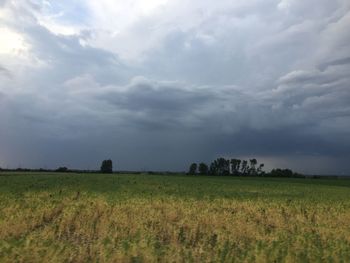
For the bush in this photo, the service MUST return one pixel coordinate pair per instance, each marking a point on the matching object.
(284, 173)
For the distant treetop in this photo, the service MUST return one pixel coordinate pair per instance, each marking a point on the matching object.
(107, 166)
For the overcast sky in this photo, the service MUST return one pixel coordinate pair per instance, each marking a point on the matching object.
(157, 84)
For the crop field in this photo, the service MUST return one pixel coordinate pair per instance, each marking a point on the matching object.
(152, 218)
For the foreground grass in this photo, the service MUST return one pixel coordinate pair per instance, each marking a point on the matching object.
(148, 218)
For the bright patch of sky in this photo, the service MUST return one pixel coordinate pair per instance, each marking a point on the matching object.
(11, 42)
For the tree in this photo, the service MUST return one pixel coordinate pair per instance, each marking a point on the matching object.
(203, 168)
(244, 167)
(193, 169)
(235, 165)
(62, 169)
(224, 166)
(107, 166)
(253, 163)
(220, 166)
(259, 170)
(238, 165)
(213, 170)
(281, 173)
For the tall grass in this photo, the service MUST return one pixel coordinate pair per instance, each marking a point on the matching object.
(125, 218)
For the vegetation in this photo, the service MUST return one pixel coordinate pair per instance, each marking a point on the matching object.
(283, 173)
(237, 167)
(63, 217)
(203, 169)
(107, 166)
(193, 169)
(62, 169)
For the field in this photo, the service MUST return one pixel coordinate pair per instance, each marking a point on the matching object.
(153, 218)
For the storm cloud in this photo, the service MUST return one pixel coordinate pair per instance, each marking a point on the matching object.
(159, 84)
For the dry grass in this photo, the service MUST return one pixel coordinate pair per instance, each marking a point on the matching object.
(51, 226)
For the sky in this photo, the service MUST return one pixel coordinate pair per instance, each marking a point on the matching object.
(158, 84)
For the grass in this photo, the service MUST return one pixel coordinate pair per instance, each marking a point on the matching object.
(153, 218)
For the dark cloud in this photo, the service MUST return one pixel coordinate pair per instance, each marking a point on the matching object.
(337, 62)
(253, 79)
(67, 54)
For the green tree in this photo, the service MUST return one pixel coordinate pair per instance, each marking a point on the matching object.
(193, 169)
(244, 167)
(282, 173)
(220, 166)
(107, 166)
(259, 170)
(224, 166)
(62, 169)
(235, 166)
(203, 168)
(253, 163)
(238, 165)
(213, 169)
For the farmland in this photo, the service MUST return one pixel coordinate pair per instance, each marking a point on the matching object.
(161, 218)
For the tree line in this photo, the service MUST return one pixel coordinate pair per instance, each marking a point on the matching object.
(237, 167)
(106, 167)
(220, 167)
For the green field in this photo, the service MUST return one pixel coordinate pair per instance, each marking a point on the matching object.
(152, 218)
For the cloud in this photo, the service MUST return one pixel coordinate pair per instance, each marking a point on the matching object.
(4, 71)
(337, 62)
(170, 82)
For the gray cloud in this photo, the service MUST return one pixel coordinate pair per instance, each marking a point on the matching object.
(337, 62)
(258, 79)
(5, 72)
